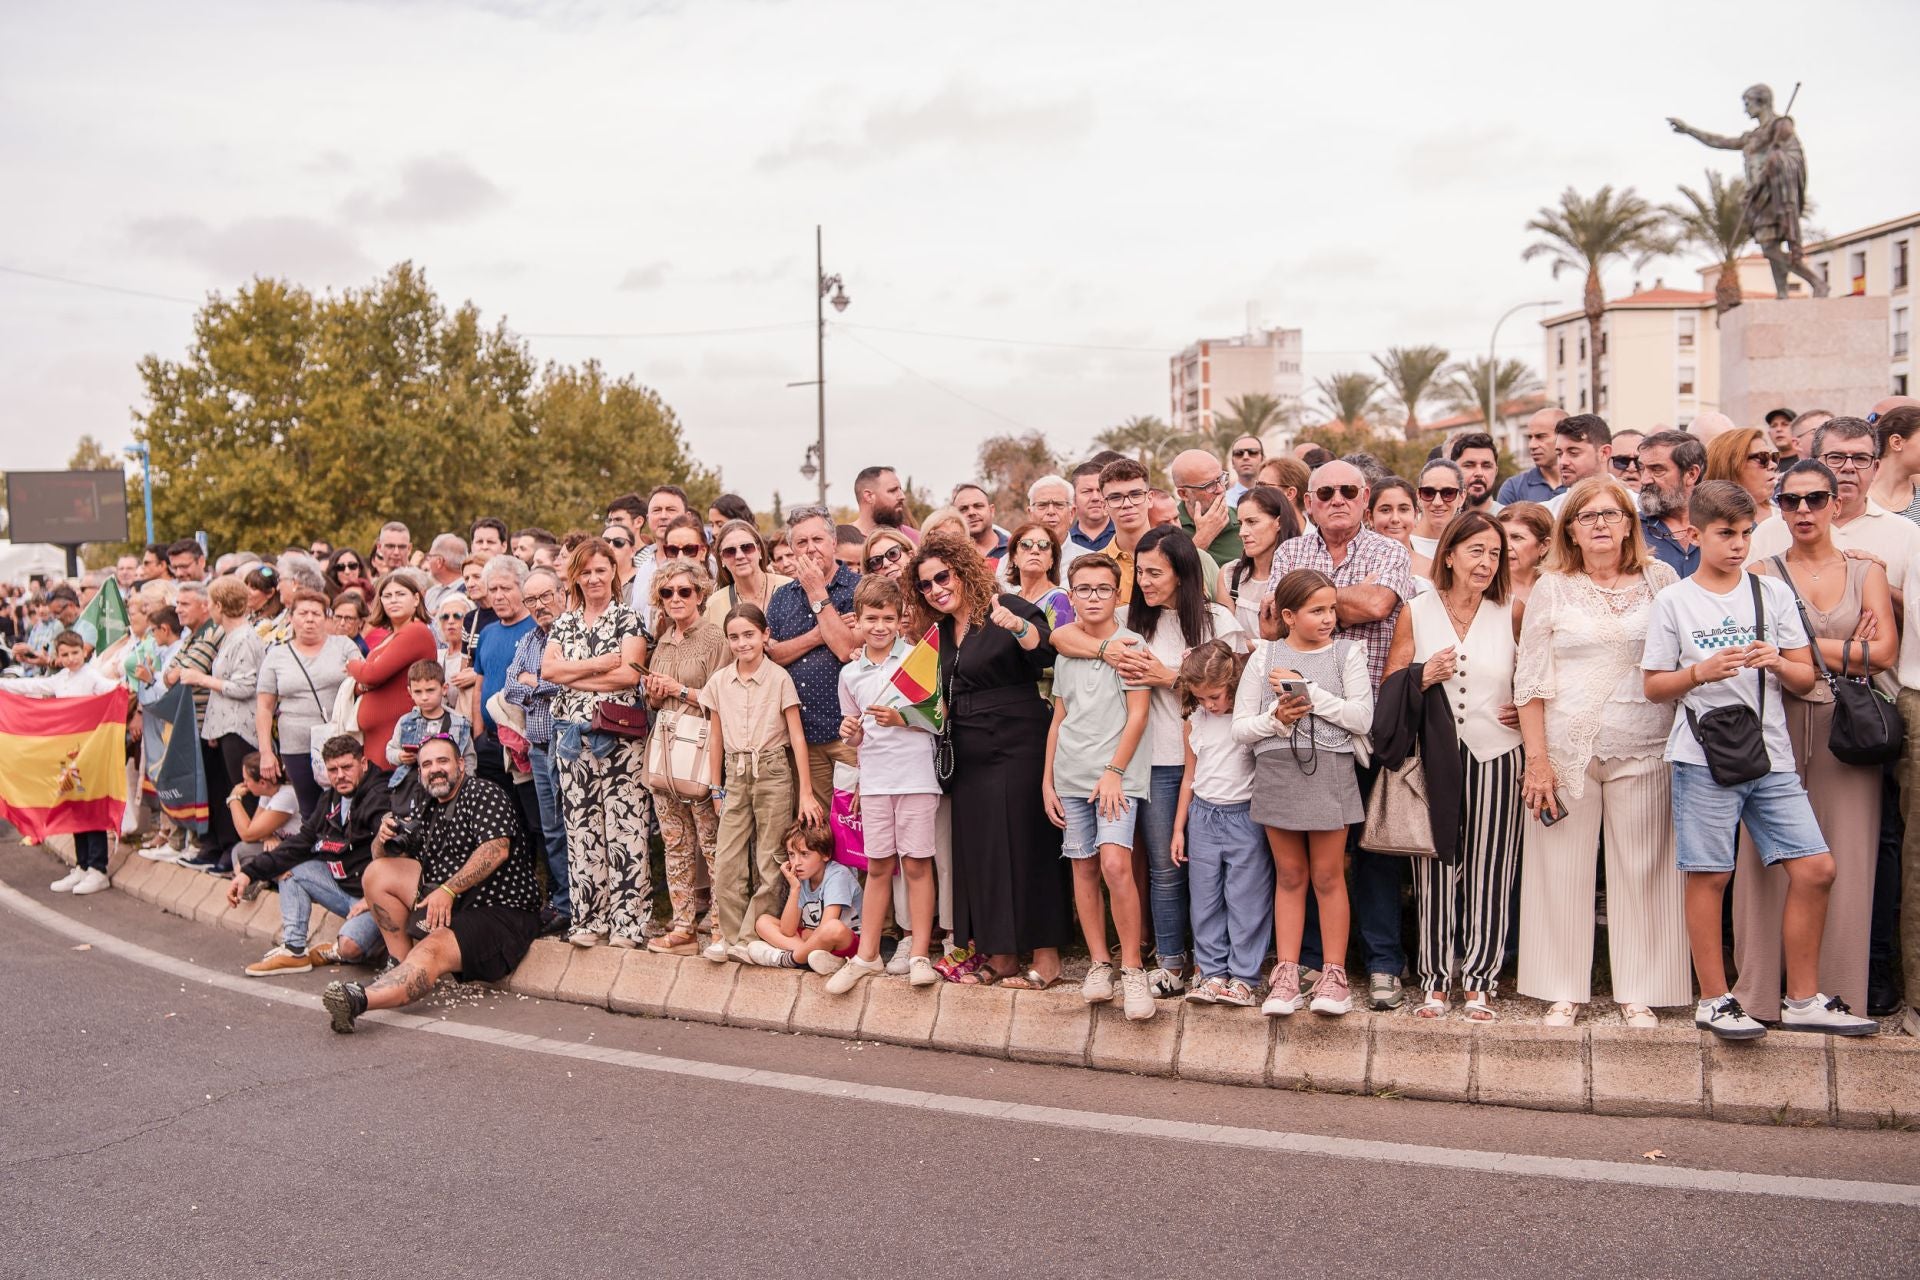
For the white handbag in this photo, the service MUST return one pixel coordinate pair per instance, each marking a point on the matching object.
(676, 761)
(344, 718)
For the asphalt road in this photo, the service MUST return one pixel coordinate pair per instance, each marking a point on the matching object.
(157, 1125)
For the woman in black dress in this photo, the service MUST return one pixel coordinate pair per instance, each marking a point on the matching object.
(1009, 884)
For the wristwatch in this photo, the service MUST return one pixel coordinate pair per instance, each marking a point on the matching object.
(820, 605)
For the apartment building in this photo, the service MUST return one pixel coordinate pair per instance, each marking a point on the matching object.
(1205, 376)
(1877, 261)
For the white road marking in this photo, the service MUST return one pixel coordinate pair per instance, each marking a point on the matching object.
(1402, 1153)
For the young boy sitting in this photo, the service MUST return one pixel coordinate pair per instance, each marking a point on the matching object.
(430, 717)
(820, 925)
(1095, 779)
(1707, 649)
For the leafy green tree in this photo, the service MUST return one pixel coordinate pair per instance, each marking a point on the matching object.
(1585, 233)
(1009, 464)
(1351, 398)
(1253, 414)
(292, 416)
(1409, 373)
(1716, 221)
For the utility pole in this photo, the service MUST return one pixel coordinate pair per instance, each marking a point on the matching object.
(828, 289)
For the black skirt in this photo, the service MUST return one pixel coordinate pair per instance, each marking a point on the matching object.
(1010, 886)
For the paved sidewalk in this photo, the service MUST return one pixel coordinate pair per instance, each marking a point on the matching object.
(1786, 1078)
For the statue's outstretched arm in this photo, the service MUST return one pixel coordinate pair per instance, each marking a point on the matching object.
(1711, 139)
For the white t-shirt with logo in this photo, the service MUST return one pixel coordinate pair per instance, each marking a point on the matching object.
(1690, 624)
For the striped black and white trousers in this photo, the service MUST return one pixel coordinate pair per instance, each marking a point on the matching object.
(1465, 905)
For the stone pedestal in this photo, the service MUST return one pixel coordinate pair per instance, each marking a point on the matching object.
(1800, 354)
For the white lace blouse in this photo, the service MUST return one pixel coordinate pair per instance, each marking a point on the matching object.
(1580, 648)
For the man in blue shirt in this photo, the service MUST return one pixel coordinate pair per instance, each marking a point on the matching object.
(492, 654)
(809, 620)
(1543, 481)
(1671, 463)
(1092, 529)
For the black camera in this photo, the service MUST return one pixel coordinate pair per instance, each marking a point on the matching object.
(404, 839)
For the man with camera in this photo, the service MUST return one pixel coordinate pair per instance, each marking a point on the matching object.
(452, 889)
(322, 864)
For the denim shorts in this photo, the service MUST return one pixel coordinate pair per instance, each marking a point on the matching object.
(1087, 830)
(1707, 817)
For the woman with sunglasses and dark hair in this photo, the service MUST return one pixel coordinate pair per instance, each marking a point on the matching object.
(1033, 569)
(1746, 457)
(744, 577)
(347, 571)
(1009, 883)
(1441, 492)
(1847, 608)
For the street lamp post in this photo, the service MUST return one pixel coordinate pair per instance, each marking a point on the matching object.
(145, 455)
(1493, 355)
(828, 284)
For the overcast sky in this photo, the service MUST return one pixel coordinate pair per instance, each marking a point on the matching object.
(1125, 177)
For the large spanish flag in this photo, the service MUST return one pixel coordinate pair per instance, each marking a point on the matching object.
(63, 762)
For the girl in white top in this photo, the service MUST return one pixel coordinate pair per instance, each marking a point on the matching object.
(1229, 872)
(1305, 792)
(1463, 632)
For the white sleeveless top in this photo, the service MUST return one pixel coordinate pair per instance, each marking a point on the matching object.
(1482, 680)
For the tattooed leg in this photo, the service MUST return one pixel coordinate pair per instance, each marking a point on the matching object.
(389, 885)
(413, 978)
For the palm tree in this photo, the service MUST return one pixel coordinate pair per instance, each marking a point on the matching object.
(1248, 415)
(1716, 222)
(1409, 373)
(1147, 438)
(1349, 397)
(1465, 387)
(1583, 233)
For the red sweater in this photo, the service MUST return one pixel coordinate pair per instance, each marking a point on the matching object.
(383, 680)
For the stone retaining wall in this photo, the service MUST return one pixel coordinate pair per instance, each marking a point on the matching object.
(1786, 1078)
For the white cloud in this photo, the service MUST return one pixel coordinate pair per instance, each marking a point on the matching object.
(299, 248)
(433, 189)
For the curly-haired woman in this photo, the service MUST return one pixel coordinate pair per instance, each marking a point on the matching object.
(1009, 890)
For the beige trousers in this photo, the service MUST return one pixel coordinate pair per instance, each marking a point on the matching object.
(1630, 800)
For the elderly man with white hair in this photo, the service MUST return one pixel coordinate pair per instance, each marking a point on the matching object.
(1050, 504)
(443, 560)
(493, 653)
(1201, 484)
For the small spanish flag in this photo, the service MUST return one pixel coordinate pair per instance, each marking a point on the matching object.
(63, 763)
(917, 682)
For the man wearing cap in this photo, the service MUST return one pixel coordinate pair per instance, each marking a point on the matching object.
(1780, 431)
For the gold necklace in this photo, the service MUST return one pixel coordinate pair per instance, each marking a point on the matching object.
(1813, 573)
(1460, 628)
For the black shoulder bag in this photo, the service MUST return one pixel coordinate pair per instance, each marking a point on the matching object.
(1866, 728)
(943, 760)
(1732, 738)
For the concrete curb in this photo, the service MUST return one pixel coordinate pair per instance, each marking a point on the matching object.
(1672, 1071)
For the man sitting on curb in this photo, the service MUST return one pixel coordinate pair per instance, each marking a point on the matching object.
(455, 893)
(322, 864)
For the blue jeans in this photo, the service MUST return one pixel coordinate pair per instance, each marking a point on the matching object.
(1167, 881)
(1231, 875)
(553, 829)
(1707, 819)
(310, 884)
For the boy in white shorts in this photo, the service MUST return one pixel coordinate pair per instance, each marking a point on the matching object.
(899, 795)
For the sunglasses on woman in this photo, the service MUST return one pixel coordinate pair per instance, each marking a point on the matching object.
(881, 559)
(684, 550)
(1348, 491)
(1806, 501)
(1764, 458)
(349, 566)
(619, 544)
(1430, 492)
(453, 617)
(739, 549)
(939, 578)
(678, 593)
(1034, 544)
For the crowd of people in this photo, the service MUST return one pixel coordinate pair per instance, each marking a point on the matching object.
(1229, 735)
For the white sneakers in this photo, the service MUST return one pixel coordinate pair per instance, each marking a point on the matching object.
(921, 973)
(1136, 995)
(850, 973)
(902, 963)
(715, 951)
(81, 881)
(768, 956)
(1820, 1012)
(1097, 986)
(824, 962)
(1725, 1018)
